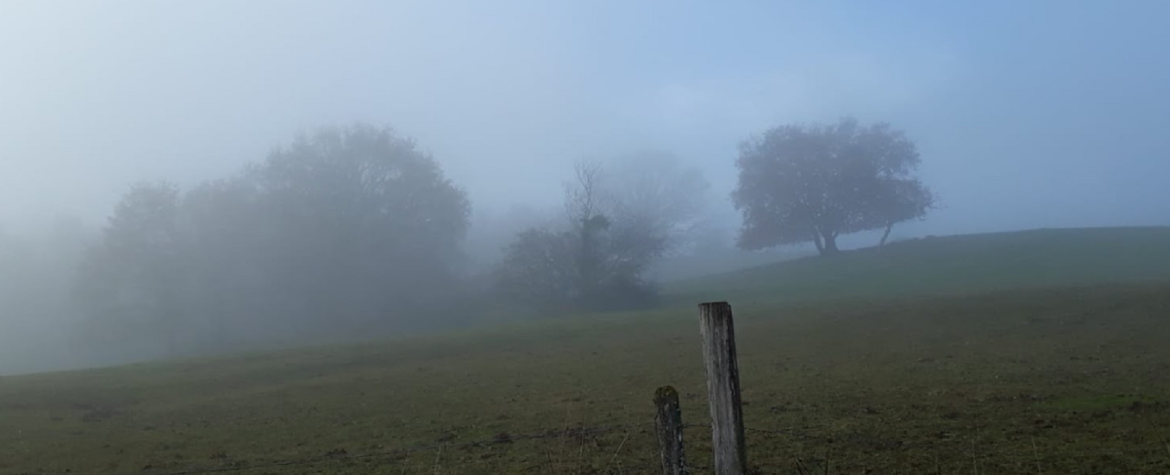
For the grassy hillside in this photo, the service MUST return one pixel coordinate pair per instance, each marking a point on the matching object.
(950, 265)
(941, 375)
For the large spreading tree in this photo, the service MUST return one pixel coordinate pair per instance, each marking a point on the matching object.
(345, 230)
(361, 225)
(800, 183)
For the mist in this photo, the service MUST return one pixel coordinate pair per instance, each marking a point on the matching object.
(1039, 115)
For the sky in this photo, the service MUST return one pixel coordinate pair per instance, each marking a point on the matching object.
(1027, 114)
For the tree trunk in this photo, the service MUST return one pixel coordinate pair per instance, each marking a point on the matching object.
(830, 246)
(820, 244)
(886, 235)
(586, 261)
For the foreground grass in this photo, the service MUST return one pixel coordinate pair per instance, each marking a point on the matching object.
(1073, 380)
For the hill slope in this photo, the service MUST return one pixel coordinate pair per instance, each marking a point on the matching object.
(1031, 380)
(949, 265)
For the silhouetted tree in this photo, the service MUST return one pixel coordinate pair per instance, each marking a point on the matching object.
(800, 183)
(596, 262)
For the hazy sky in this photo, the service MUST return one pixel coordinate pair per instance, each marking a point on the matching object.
(1027, 114)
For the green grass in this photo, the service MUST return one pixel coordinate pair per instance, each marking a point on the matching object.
(972, 360)
(949, 265)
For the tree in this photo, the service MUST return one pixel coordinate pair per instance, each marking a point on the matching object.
(800, 183)
(902, 200)
(540, 269)
(596, 260)
(344, 231)
(661, 192)
(364, 227)
(131, 280)
(585, 206)
(226, 238)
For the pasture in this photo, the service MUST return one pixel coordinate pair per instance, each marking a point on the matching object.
(1031, 353)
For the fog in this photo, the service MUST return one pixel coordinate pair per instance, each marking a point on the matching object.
(1026, 115)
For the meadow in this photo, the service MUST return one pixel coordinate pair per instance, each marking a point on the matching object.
(1032, 352)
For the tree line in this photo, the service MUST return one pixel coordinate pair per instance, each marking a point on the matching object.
(352, 231)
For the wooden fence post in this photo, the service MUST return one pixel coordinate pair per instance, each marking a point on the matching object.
(718, 331)
(669, 426)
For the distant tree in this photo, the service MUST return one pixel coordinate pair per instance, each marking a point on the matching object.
(131, 280)
(617, 241)
(585, 206)
(901, 200)
(596, 261)
(661, 192)
(539, 269)
(363, 227)
(345, 231)
(801, 183)
(227, 288)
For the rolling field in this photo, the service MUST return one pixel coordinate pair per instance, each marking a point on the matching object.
(1035, 353)
(950, 265)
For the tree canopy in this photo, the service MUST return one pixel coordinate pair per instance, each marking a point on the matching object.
(344, 230)
(801, 183)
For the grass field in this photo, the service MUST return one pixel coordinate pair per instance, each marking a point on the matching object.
(1040, 352)
(949, 265)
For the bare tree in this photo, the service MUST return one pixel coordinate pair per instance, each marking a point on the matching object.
(659, 189)
(596, 262)
(585, 196)
(585, 205)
